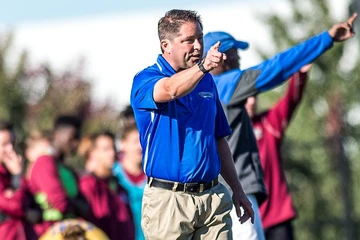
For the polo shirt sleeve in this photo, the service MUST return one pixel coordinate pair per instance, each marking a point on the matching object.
(143, 88)
(222, 128)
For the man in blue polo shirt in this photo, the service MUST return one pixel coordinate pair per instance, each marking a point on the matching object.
(182, 128)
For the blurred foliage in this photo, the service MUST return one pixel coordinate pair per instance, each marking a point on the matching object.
(32, 98)
(321, 148)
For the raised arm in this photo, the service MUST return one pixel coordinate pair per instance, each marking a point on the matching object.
(280, 115)
(183, 82)
(278, 69)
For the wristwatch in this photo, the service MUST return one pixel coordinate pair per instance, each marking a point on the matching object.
(201, 66)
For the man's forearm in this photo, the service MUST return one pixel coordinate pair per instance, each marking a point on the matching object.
(228, 171)
(178, 85)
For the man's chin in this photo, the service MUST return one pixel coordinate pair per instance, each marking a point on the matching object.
(192, 63)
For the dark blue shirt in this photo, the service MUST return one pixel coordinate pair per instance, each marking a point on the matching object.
(178, 138)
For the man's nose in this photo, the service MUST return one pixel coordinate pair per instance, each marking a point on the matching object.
(197, 45)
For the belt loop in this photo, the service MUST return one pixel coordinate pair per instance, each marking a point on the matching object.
(150, 181)
(184, 190)
(174, 188)
(201, 187)
(213, 182)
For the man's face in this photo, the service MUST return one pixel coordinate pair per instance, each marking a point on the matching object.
(186, 49)
(6, 143)
(251, 106)
(131, 147)
(104, 152)
(68, 137)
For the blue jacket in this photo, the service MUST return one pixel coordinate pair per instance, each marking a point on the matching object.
(236, 85)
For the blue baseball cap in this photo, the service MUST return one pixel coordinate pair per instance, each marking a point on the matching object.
(227, 41)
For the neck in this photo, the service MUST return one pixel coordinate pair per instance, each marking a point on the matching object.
(131, 167)
(170, 62)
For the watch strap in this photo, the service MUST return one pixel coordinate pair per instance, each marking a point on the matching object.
(201, 67)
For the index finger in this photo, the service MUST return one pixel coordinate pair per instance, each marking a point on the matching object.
(215, 46)
(352, 18)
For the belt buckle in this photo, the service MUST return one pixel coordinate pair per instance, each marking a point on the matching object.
(191, 187)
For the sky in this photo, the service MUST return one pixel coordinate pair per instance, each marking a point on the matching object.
(17, 11)
(117, 39)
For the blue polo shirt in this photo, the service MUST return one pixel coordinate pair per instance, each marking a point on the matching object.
(178, 138)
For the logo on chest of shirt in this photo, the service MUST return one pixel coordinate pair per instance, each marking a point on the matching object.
(206, 94)
(258, 132)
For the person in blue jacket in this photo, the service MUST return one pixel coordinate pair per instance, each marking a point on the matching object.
(235, 86)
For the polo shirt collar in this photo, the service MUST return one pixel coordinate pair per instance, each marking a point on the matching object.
(164, 66)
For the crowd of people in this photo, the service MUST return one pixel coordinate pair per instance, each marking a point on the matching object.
(195, 159)
(44, 190)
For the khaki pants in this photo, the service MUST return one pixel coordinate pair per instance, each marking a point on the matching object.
(178, 215)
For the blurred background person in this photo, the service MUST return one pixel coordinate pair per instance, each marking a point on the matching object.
(128, 171)
(236, 85)
(109, 202)
(37, 144)
(55, 185)
(85, 152)
(127, 116)
(14, 200)
(278, 211)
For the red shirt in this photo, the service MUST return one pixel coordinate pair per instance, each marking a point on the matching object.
(14, 227)
(44, 177)
(110, 209)
(269, 129)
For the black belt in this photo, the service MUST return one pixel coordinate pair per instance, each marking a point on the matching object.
(182, 187)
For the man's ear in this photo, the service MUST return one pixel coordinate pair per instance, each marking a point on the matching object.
(165, 45)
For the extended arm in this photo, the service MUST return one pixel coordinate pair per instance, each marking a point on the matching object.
(178, 85)
(276, 70)
(183, 82)
(280, 115)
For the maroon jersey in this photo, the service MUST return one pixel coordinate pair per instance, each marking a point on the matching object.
(269, 129)
(44, 179)
(12, 209)
(110, 208)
